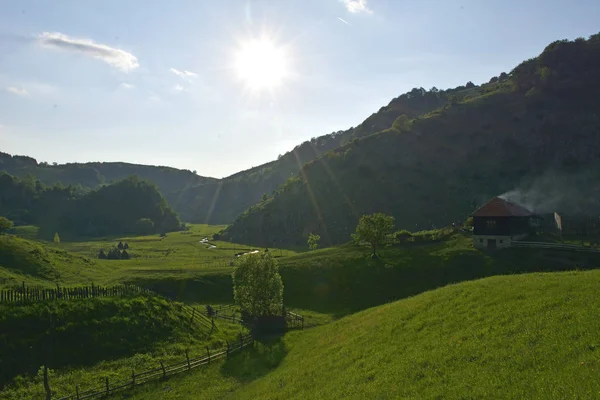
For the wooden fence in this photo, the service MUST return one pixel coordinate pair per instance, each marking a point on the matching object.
(230, 312)
(293, 320)
(26, 295)
(542, 245)
(161, 372)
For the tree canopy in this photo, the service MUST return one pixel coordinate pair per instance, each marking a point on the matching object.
(111, 209)
(313, 241)
(374, 229)
(257, 285)
(5, 224)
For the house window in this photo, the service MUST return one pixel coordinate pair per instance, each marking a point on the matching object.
(501, 241)
(480, 240)
(490, 224)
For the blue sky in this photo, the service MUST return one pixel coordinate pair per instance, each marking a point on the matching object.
(159, 83)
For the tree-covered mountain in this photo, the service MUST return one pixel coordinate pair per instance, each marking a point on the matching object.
(219, 201)
(127, 206)
(433, 169)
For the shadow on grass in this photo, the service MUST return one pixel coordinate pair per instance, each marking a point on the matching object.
(251, 364)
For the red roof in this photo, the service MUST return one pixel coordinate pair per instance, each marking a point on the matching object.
(498, 207)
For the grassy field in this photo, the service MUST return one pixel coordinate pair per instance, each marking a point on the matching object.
(512, 337)
(97, 338)
(327, 285)
(178, 256)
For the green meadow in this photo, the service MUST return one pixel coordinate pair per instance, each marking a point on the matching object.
(418, 322)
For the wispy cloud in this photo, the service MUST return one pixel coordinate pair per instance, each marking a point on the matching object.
(126, 86)
(357, 6)
(114, 57)
(178, 88)
(154, 98)
(184, 73)
(343, 20)
(19, 91)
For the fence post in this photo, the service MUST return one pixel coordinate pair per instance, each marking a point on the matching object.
(46, 384)
(77, 392)
(132, 378)
(193, 313)
(187, 357)
(241, 341)
(208, 354)
(227, 353)
(106, 381)
(163, 368)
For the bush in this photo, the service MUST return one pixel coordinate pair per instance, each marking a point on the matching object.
(5, 224)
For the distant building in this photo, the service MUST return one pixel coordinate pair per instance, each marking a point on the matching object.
(498, 222)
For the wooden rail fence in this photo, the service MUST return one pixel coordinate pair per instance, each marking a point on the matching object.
(26, 295)
(230, 312)
(159, 373)
(542, 245)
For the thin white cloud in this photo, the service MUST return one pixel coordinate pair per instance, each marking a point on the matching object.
(344, 21)
(126, 86)
(114, 57)
(19, 91)
(357, 6)
(178, 88)
(154, 98)
(184, 73)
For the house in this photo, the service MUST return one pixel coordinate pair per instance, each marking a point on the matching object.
(498, 222)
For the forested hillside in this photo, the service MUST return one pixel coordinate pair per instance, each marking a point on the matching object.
(220, 201)
(127, 206)
(435, 168)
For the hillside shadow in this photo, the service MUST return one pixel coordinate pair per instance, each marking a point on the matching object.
(250, 364)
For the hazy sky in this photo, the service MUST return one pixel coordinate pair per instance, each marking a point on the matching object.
(221, 86)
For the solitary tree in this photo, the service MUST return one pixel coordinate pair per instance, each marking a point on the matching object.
(5, 224)
(374, 229)
(257, 285)
(313, 241)
(56, 238)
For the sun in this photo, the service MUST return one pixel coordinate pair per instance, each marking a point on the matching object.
(260, 64)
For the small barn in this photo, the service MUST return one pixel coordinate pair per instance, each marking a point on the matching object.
(498, 222)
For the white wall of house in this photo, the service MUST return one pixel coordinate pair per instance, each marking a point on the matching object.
(502, 242)
(483, 241)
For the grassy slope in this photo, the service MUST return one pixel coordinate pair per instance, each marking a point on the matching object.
(97, 338)
(342, 280)
(527, 336)
(178, 262)
(38, 264)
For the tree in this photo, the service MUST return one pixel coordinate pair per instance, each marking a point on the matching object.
(470, 85)
(101, 255)
(257, 285)
(125, 246)
(56, 238)
(313, 241)
(374, 229)
(5, 224)
(120, 246)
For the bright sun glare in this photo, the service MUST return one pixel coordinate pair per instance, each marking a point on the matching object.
(260, 64)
